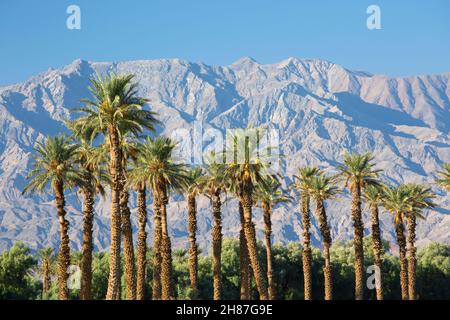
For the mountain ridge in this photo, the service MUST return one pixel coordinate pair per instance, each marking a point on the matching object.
(321, 109)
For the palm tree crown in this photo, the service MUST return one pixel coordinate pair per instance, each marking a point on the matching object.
(156, 166)
(54, 163)
(358, 170)
(117, 105)
(323, 187)
(444, 177)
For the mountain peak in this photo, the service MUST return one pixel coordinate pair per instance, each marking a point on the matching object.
(245, 61)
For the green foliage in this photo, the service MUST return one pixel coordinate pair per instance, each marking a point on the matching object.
(16, 281)
(433, 272)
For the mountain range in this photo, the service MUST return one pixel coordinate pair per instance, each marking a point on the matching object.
(320, 109)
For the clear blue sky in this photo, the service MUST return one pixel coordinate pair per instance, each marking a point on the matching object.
(414, 39)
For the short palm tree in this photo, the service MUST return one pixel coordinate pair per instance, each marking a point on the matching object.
(444, 177)
(193, 189)
(245, 174)
(303, 184)
(359, 173)
(322, 188)
(115, 109)
(46, 260)
(373, 197)
(395, 200)
(54, 165)
(156, 164)
(213, 185)
(420, 198)
(270, 194)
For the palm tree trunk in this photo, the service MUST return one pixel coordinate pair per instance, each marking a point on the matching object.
(401, 241)
(412, 257)
(115, 168)
(250, 237)
(193, 249)
(46, 280)
(306, 254)
(157, 236)
(166, 250)
(64, 249)
(217, 244)
(358, 241)
(267, 208)
(326, 238)
(142, 244)
(377, 250)
(128, 249)
(86, 258)
(244, 265)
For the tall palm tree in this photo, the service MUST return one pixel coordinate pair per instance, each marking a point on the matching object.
(321, 188)
(115, 109)
(244, 260)
(444, 177)
(139, 184)
(47, 259)
(156, 164)
(246, 173)
(54, 165)
(270, 194)
(245, 270)
(129, 151)
(395, 200)
(303, 184)
(373, 196)
(212, 185)
(193, 189)
(91, 161)
(420, 197)
(358, 172)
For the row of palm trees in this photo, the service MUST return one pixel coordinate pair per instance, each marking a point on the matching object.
(106, 148)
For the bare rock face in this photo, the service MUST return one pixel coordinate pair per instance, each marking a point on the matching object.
(320, 109)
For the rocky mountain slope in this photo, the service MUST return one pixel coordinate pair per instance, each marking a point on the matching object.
(320, 110)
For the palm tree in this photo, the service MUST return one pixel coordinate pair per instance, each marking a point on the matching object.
(54, 165)
(358, 172)
(420, 197)
(212, 185)
(321, 188)
(444, 177)
(156, 164)
(91, 161)
(139, 184)
(246, 173)
(115, 109)
(303, 184)
(244, 264)
(193, 189)
(245, 271)
(270, 194)
(395, 200)
(373, 196)
(46, 258)
(129, 150)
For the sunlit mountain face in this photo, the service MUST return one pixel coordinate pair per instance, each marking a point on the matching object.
(320, 110)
